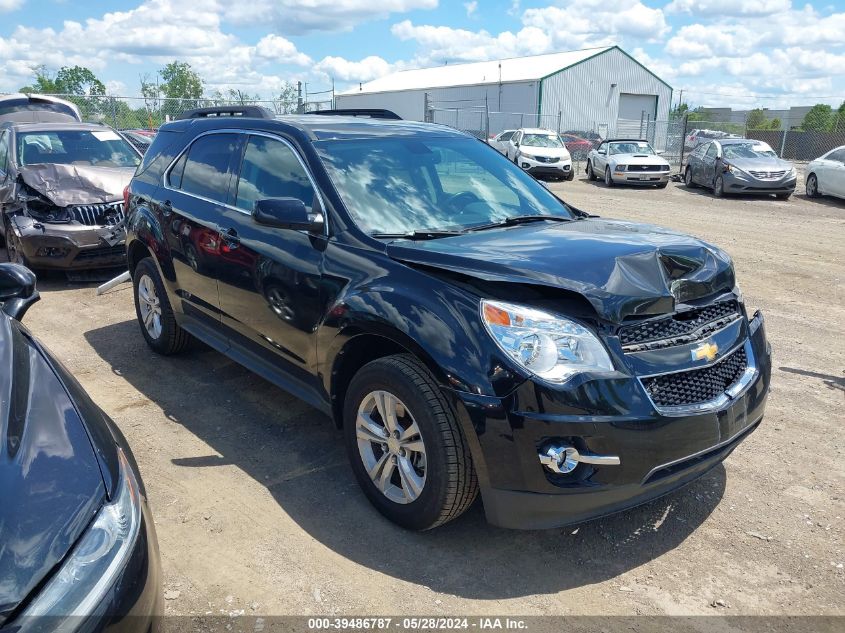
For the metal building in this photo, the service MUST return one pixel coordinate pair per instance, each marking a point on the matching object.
(600, 90)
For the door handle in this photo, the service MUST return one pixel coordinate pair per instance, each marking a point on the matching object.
(230, 237)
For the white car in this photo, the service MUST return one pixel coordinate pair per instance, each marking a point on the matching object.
(826, 175)
(540, 153)
(501, 139)
(628, 161)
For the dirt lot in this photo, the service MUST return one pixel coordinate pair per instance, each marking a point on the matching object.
(256, 508)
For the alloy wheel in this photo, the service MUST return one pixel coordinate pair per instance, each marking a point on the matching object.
(812, 186)
(608, 179)
(391, 447)
(150, 306)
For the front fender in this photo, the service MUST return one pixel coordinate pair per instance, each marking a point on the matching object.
(441, 327)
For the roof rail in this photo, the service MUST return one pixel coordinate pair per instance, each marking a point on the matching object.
(248, 111)
(371, 113)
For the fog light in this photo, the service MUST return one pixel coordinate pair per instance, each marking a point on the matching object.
(562, 458)
(51, 251)
(526, 165)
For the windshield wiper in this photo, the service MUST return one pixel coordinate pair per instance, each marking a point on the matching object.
(520, 219)
(417, 235)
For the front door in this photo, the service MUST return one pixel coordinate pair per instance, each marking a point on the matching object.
(270, 288)
(190, 206)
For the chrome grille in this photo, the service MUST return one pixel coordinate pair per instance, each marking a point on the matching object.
(767, 175)
(97, 214)
(648, 168)
(547, 159)
(697, 385)
(679, 328)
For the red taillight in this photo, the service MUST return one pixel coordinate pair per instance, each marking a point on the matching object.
(126, 198)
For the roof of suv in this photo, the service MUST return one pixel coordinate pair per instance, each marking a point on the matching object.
(47, 127)
(319, 128)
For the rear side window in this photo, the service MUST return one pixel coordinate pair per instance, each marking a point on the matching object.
(206, 171)
(166, 144)
(506, 136)
(270, 169)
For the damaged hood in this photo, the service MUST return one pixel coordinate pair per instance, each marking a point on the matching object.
(66, 185)
(623, 269)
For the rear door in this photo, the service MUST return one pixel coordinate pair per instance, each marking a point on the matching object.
(270, 286)
(191, 204)
(834, 174)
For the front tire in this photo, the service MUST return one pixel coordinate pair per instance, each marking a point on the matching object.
(608, 179)
(590, 174)
(14, 249)
(155, 315)
(719, 187)
(812, 186)
(688, 179)
(405, 444)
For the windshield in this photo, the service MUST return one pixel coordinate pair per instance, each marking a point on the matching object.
(631, 147)
(401, 185)
(747, 150)
(541, 140)
(103, 148)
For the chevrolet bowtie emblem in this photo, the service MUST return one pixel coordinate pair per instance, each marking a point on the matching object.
(705, 351)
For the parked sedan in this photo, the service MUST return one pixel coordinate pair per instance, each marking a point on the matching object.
(500, 140)
(740, 166)
(628, 161)
(826, 175)
(77, 542)
(540, 153)
(578, 147)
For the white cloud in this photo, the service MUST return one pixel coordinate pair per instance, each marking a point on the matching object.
(10, 5)
(471, 8)
(298, 17)
(709, 8)
(280, 50)
(344, 70)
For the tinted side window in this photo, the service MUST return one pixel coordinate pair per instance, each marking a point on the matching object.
(206, 171)
(4, 151)
(505, 136)
(270, 169)
(837, 155)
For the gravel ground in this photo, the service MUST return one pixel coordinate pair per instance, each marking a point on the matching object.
(256, 509)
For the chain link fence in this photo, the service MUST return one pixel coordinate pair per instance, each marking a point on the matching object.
(792, 139)
(124, 113)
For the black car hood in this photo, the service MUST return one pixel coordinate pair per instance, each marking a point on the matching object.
(66, 185)
(623, 269)
(50, 481)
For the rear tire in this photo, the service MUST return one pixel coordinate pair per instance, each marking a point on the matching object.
(422, 477)
(688, 182)
(155, 315)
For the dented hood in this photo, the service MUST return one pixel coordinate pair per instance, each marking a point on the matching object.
(66, 185)
(623, 269)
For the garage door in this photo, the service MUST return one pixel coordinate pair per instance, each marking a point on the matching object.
(632, 107)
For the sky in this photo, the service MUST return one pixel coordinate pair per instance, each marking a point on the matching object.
(739, 53)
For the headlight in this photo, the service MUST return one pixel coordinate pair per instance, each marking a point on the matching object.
(792, 173)
(620, 168)
(95, 562)
(528, 156)
(549, 346)
(736, 171)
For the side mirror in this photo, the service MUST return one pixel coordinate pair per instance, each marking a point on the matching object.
(601, 151)
(660, 152)
(286, 213)
(17, 290)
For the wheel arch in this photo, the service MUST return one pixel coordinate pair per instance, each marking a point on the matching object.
(359, 347)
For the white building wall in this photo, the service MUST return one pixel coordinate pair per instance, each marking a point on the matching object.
(585, 98)
(458, 106)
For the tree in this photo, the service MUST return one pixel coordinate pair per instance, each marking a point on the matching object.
(76, 80)
(287, 101)
(180, 81)
(776, 124)
(756, 120)
(820, 118)
(839, 119)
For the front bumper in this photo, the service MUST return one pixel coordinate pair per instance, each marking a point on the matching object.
(641, 177)
(659, 452)
(70, 246)
(741, 184)
(562, 168)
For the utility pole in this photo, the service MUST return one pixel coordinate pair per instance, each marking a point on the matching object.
(299, 97)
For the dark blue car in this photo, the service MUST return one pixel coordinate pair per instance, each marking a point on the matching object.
(78, 549)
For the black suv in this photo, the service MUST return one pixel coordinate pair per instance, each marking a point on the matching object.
(467, 329)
